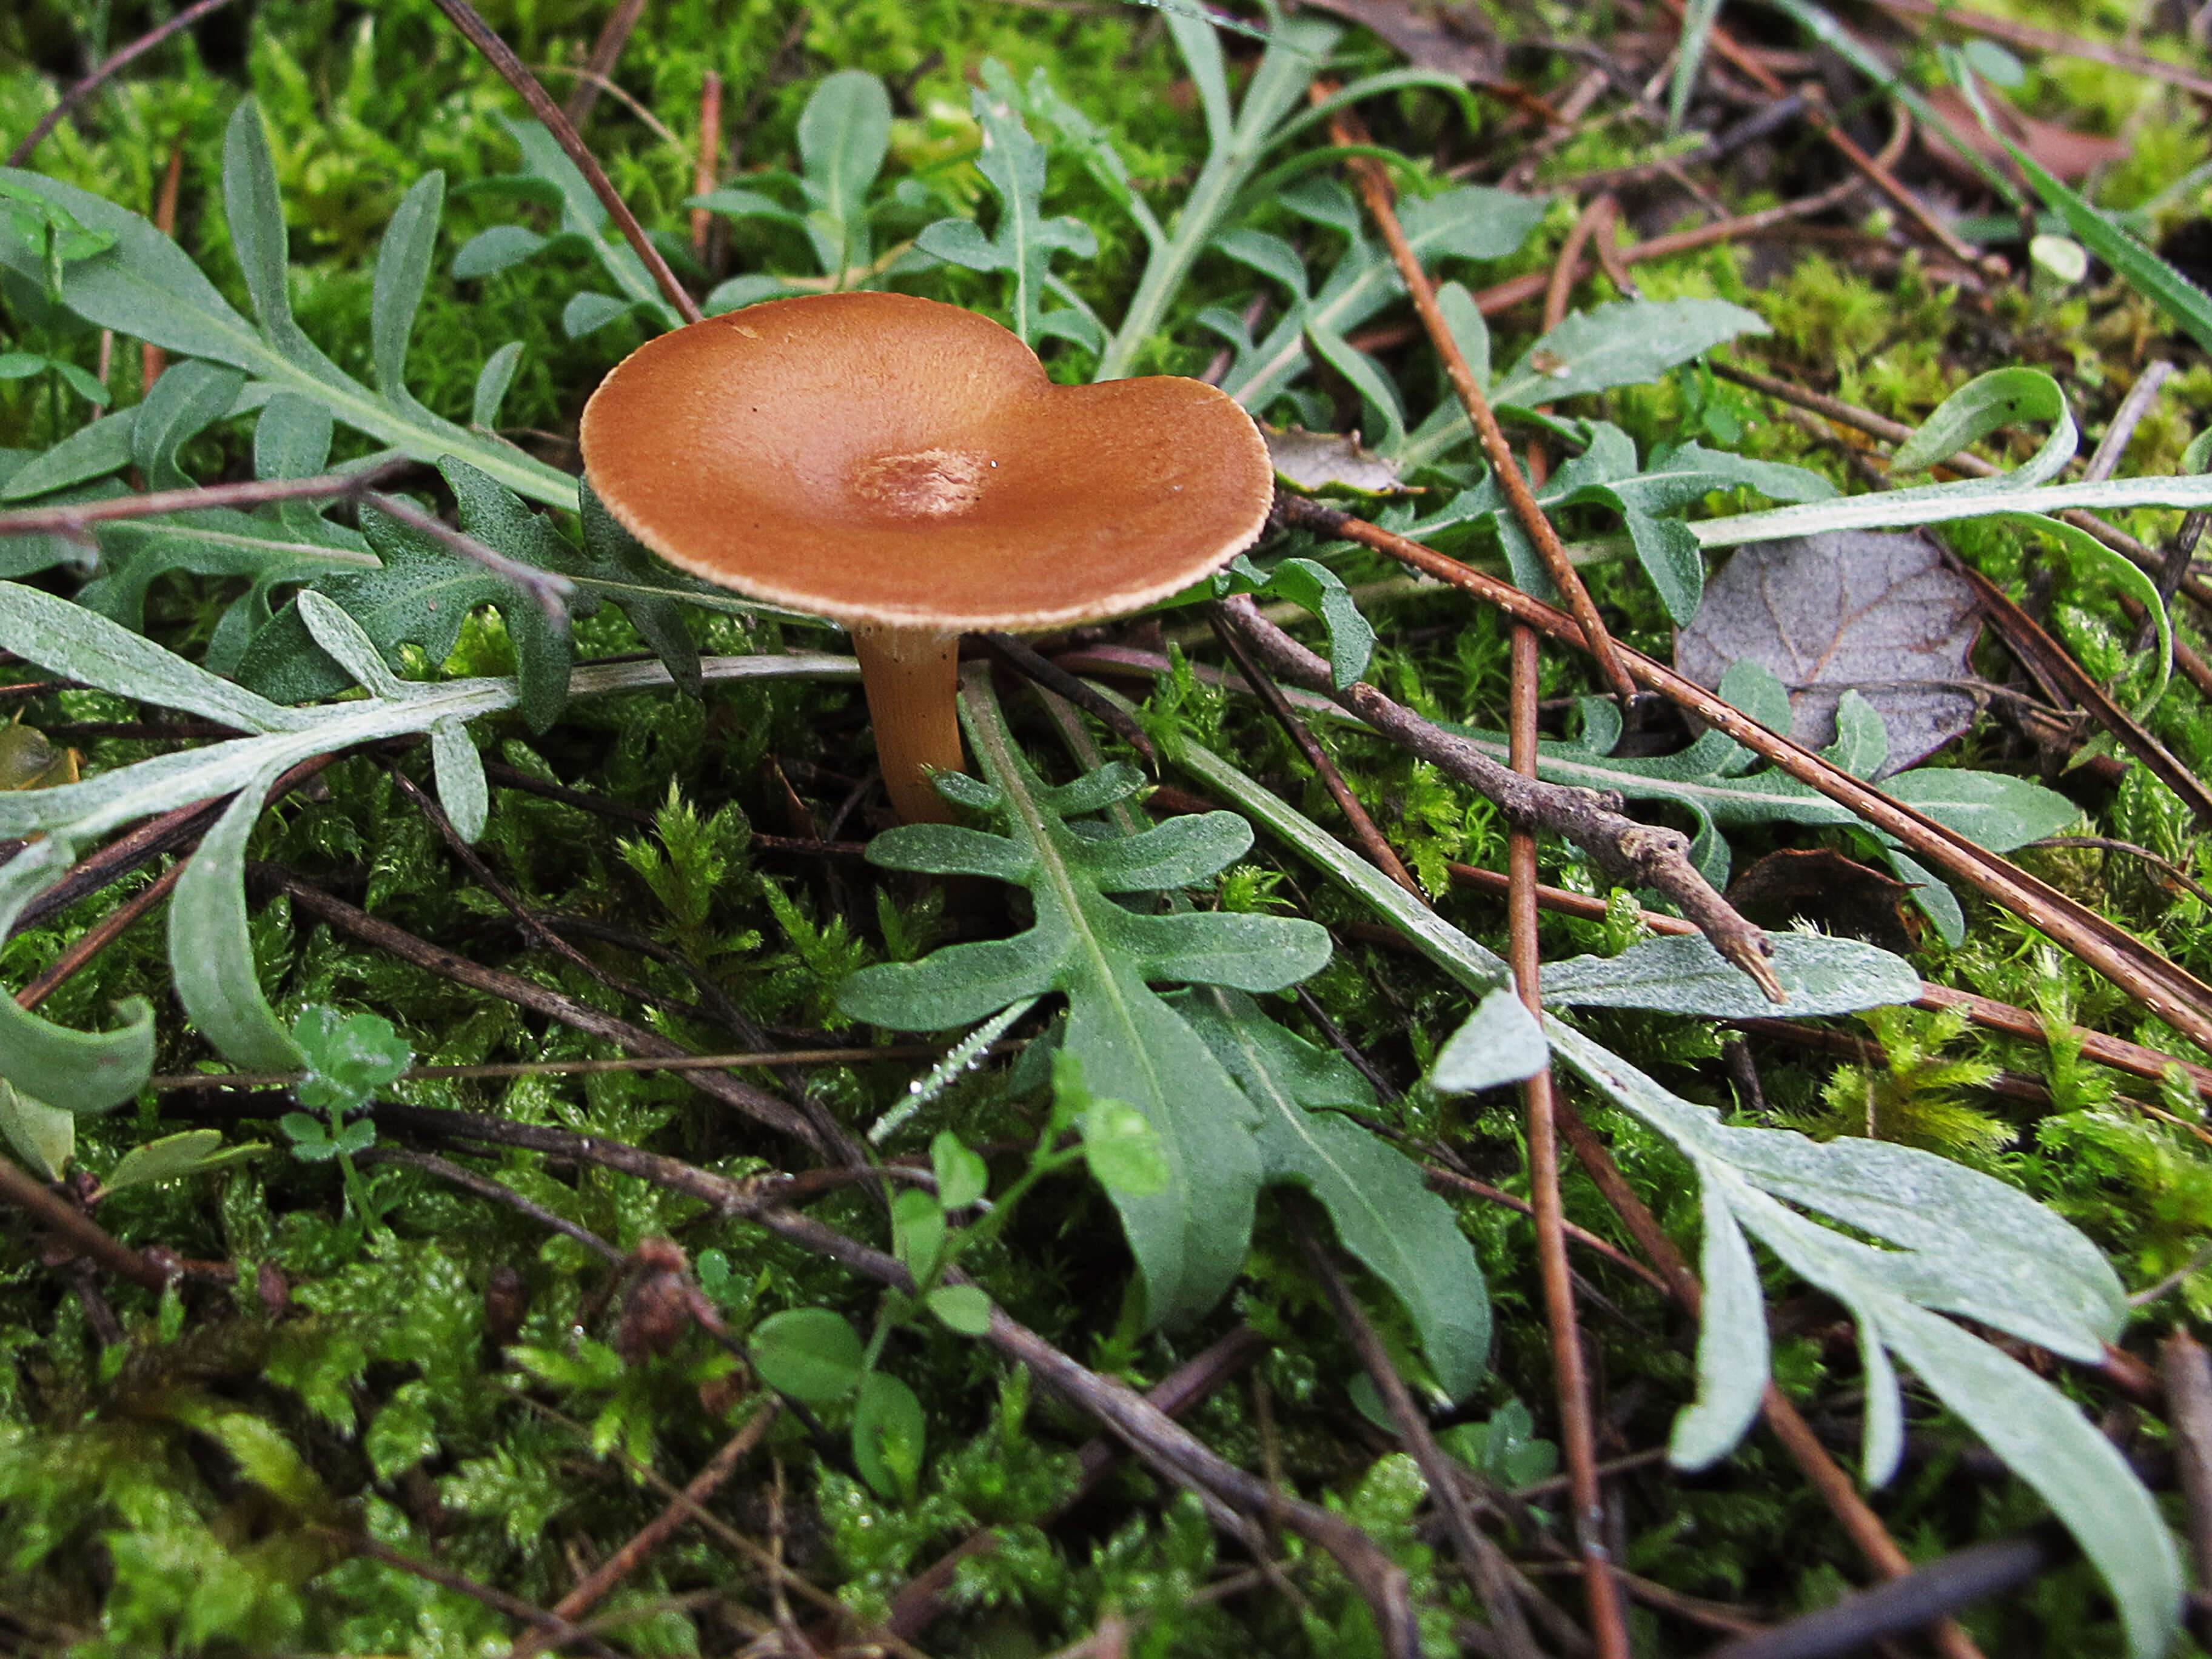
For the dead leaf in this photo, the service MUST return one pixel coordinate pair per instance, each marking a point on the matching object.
(1847, 611)
(1836, 894)
(1450, 38)
(2072, 156)
(1331, 461)
(29, 760)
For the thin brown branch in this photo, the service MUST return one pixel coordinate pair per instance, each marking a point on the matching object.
(1970, 20)
(922, 1598)
(152, 360)
(498, 1192)
(1479, 1559)
(606, 53)
(1633, 854)
(601, 1580)
(1518, 290)
(2168, 991)
(20, 155)
(1364, 830)
(756, 1104)
(481, 36)
(1445, 1180)
(2188, 1377)
(77, 1230)
(764, 1059)
(1373, 184)
(77, 518)
(1571, 1376)
(548, 589)
(1024, 660)
(710, 155)
(110, 928)
(497, 1600)
(2104, 460)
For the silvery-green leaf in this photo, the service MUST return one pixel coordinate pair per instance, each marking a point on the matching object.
(1383, 1212)
(1733, 1358)
(211, 949)
(587, 313)
(342, 637)
(1684, 975)
(490, 251)
(403, 270)
(76, 644)
(2002, 397)
(79, 1071)
(1627, 343)
(44, 1137)
(1500, 1043)
(461, 776)
(844, 134)
(492, 382)
(93, 451)
(189, 398)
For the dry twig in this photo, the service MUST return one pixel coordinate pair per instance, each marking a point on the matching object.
(1633, 854)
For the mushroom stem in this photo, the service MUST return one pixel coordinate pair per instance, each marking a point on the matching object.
(912, 677)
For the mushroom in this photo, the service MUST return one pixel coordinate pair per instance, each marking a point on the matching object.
(906, 468)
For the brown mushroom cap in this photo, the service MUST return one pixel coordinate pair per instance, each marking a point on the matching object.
(876, 458)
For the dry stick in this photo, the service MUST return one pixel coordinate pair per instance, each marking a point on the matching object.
(20, 155)
(549, 590)
(1503, 296)
(1481, 1558)
(497, 1600)
(1024, 660)
(152, 360)
(1374, 186)
(2105, 460)
(1579, 1442)
(1859, 1522)
(756, 1104)
(2026, 639)
(77, 1229)
(111, 927)
(498, 1192)
(1451, 1180)
(1634, 854)
(1271, 697)
(1876, 169)
(2000, 1016)
(2168, 991)
(1169, 1449)
(166, 833)
(1904, 1605)
(534, 928)
(922, 1598)
(77, 518)
(1154, 1437)
(606, 51)
(2188, 1377)
(516, 75)
(710, 153)
(765, 1059)
(595, 1587)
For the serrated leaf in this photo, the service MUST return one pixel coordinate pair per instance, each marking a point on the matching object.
(1627, 342)
(1382, 1210)
(1024, 240)
(93, 451)
(145, 286)
(1188, 1240)
(1316, 588)
(189, 398)
(402, 271)
(490, 251)
(211, 948)
(493, 379)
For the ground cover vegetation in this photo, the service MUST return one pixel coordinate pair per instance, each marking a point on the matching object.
(1596, 1047)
